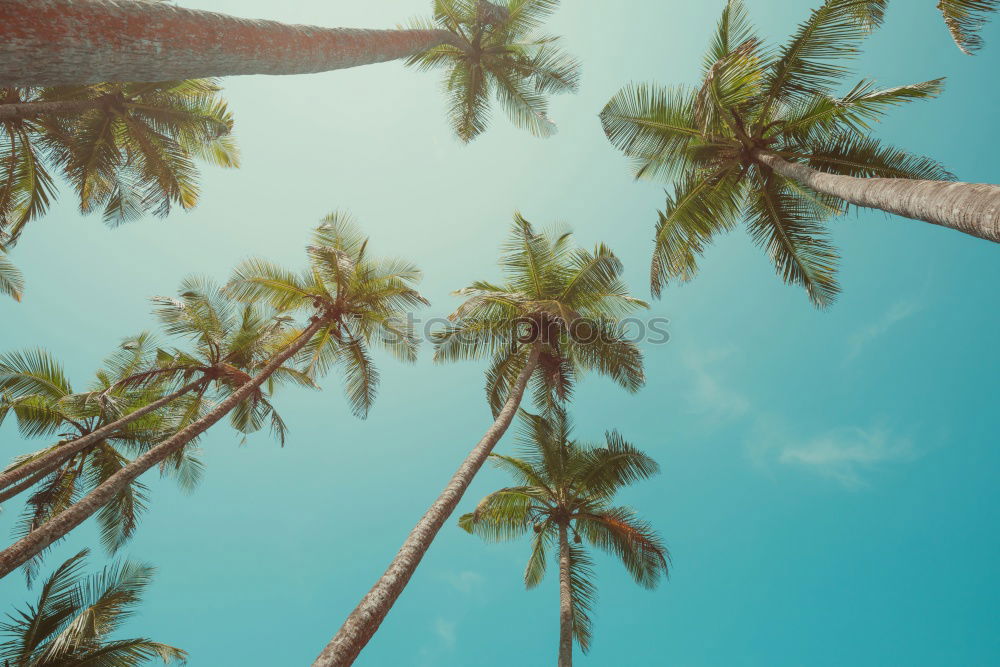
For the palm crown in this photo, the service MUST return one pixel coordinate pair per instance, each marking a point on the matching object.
(74, 617)
(362, 300)
(567, 301)
(130, 153)
(751, 100)
(497, 54)
(35, 388)
(563, 484)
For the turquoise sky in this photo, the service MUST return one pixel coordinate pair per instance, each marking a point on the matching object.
(829, 488)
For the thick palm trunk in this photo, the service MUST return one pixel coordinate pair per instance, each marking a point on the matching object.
(61, 524)
(64, 452)
(565, 602)
(972, 208)
(59, 42)
(21, 110)
(364, 621)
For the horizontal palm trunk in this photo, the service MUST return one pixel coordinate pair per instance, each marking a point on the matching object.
(60, 42)
(61, 524)
(64, 452)
(972, 208)
(21, 110)
(366, 618)
(565, 601)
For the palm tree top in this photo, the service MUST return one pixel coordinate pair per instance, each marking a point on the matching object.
(567, 300)
(497, 53)
(561, 481)
(74, 618)
(753, 99)
(361, 298)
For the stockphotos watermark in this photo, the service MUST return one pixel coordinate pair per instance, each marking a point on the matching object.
(583, 330)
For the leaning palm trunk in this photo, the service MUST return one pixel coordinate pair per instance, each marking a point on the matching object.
(61, 524)
(60, 42)
(565, 602)
(366, 618)
(64, 452)
(22, 110)
(973, 208)
(22, 486)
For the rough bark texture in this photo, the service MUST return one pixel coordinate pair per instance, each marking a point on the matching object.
(972, 208)
(565, 602)
(17, 489)
(364, 621)
(19, 110)
(61, 524)
(58, 42)
(69, 449)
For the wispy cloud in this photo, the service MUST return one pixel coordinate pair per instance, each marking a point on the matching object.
(465, 582)
(709, 395)
(446, 631)
(898, 312)
(848, 454)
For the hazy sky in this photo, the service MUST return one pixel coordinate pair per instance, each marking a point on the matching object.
(829, 488)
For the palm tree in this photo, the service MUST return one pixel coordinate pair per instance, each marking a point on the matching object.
(74, 618)
(486, 46)
(357, 300)
(39, 394)
(503, 58)
(565, 486)
(126, 148)
(765, 139)
(229, 342)
(559, 312)
(11, 281)
(965, 18)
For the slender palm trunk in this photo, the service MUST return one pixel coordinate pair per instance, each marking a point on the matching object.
(21, 110)
(61, 524)
(565, 602)
(24, 485)
(64, 452)
(972, 208)
(366, 618)
(58, 42)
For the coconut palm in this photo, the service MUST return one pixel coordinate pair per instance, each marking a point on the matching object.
(228, 341)
(127, 149)
(567, 487)
(357, 300)
(504, 59)
(764, 139)
(74, 619)
(11, 280)
(486, 46)
(965, 18)
(558, 313)
(41, 398)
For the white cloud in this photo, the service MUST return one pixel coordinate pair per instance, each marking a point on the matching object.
(847, 454)
(709, 396)
(446, 631)
(899, 311)
(465, 582)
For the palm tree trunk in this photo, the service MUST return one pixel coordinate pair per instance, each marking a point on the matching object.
(21, 110)
(565, 602)
(59, 42)
(17, 489)
(62, 453)
(366, 618)
(61, 524)
(972, 208)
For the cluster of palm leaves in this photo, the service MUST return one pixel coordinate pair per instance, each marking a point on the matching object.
(126, 149)
(565, 487)
(71, 622)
